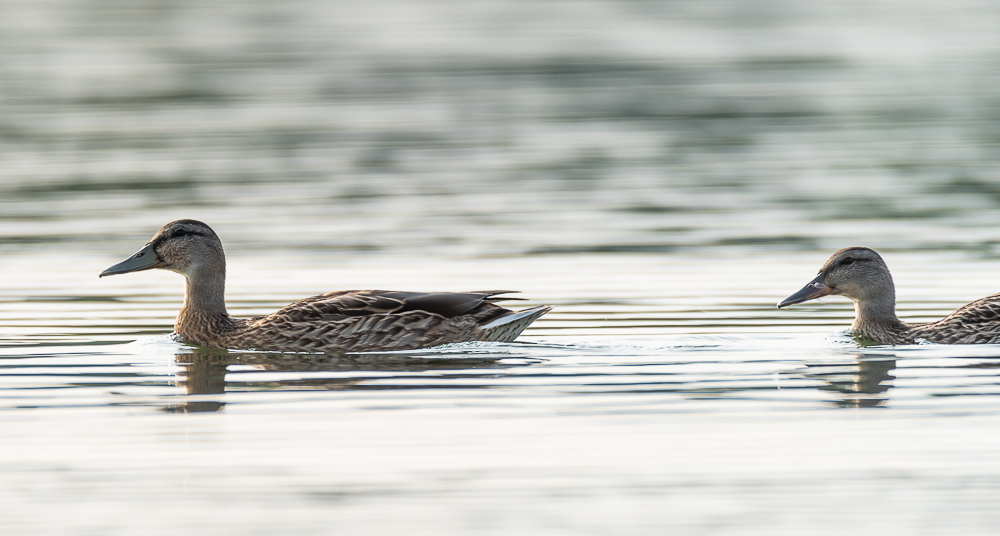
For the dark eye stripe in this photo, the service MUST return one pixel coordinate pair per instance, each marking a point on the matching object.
(184, 232)
(851, 260)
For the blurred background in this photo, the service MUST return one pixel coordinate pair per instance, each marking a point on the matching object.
(484, 128)
(662, 172)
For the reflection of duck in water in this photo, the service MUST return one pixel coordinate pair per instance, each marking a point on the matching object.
(204, 374)
(861, 275)
(204, 371)
(855, 380)
(344, 321)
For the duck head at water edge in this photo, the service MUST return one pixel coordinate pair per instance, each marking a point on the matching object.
(860, 274)
(192, 249)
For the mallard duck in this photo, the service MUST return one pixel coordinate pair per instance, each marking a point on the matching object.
(343, 321)
(861, 275)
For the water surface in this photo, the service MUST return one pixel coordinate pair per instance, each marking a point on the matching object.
(661, 173)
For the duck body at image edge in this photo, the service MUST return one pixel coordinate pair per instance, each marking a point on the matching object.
(341, 321)
(859, 273)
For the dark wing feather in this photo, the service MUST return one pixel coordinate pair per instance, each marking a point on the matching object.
(446, 304)
(339, 305)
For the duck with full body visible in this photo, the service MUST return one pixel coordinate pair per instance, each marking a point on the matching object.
(342, 321)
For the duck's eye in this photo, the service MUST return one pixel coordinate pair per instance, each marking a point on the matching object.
(847, 262)
(183, 232)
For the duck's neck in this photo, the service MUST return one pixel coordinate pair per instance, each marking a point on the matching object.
(204, 300)
(876, 319)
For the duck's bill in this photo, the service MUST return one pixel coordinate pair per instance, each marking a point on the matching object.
(144, 259)
(814, 289)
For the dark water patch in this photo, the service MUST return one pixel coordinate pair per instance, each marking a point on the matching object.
(866, 208)
(690, 114)
(906, 115)
(672, 230)
(792, 63)
(102, 186)
(62, 340)
(376, 159)
(604, 248)
(360, 194)
(594, 302)
(404, 138)
(783, 242)
(970, 186)
(29, 240)
(717, 112)
(985, 365)
(388, 78)
(28, 216)
(317, 247)
(565, 67)
(588, 160)
(201, 65)
(659, 209)
(133, 331)
(68, 299)
(133, 99)
(598, 91)
(797, 243)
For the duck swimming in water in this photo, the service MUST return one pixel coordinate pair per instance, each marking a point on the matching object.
(861, 275)
(343, 321)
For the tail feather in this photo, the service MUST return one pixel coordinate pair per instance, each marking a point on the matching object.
(492, 296)
(508, 327)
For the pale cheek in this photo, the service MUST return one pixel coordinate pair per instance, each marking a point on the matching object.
(180, 266)
(851, 291)
(177, 268)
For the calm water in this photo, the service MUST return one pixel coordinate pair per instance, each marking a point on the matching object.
(661, 173)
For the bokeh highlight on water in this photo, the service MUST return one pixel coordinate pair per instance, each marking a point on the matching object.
(661, 173)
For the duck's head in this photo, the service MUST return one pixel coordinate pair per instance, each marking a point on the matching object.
(182, 246)
(857, 273)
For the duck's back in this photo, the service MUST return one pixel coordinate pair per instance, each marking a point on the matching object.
(373, 320)
(975, 323)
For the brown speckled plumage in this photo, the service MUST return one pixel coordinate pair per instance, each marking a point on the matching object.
(861, 275)
(343, 321)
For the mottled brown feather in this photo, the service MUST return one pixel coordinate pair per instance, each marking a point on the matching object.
(360, 320)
